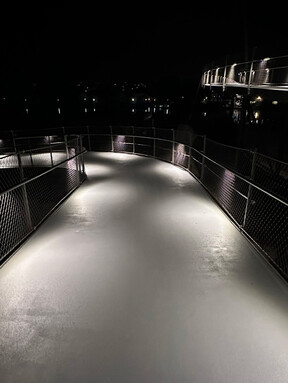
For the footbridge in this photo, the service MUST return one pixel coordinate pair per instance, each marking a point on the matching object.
(269, 73)
(142, 255)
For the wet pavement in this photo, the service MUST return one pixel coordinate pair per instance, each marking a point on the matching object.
(140, 277)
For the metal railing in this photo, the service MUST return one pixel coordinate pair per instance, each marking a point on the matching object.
(32, 184)
(251, 188)
(264, 73)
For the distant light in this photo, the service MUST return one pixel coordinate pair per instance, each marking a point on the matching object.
(275, 102)
(93, 99)
(256, 115)
(85, 110)
(259, 99)
(27, 111)
(133, 110)
(59, 111)
(85, 98)
(94, 110)
(133, 99)
(58, 99)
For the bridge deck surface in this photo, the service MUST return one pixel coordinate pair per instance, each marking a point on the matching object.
(140, 277)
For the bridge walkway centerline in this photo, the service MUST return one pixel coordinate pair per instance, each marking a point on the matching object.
(140, 277)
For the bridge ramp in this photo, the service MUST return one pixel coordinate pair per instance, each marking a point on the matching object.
(140, 277)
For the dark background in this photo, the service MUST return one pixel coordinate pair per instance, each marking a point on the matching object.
(50, 55)
(140, 40)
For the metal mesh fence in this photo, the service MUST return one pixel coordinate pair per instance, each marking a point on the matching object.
(33, 183)
(230, 191)
(235, 159)
(251, 188)
(271, 175)
(266, 224)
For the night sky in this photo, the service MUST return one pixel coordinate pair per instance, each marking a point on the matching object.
(140, 40)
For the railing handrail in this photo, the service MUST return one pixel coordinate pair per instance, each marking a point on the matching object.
(25, 182)
(248, 181)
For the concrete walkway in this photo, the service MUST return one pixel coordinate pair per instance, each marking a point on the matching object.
(140, 278)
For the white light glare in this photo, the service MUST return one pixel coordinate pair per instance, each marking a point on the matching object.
(119, 143)
(180, 154)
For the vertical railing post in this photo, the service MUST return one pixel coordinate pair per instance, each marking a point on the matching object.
(30, 151)
(77, 159)
(173, 155)
(82, 158)
(251, 71)
(25, 196)
(224, 75)
(111, 134)
(51, 154)
(203, 159)
(66, 146)
(133, 131)
(248, 200)
(154, 142)
(211, 77)
(189, 155)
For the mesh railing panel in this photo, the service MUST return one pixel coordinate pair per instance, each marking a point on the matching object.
(272, 176)
(10, 174)
(44, 193)
(32, 186)
(266, 224)
(144, 145)
(164, 150)
(14, 220)
(235, 159)
(229, 191)
(227, 173)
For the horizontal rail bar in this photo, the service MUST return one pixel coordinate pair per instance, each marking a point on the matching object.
(25, 182)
